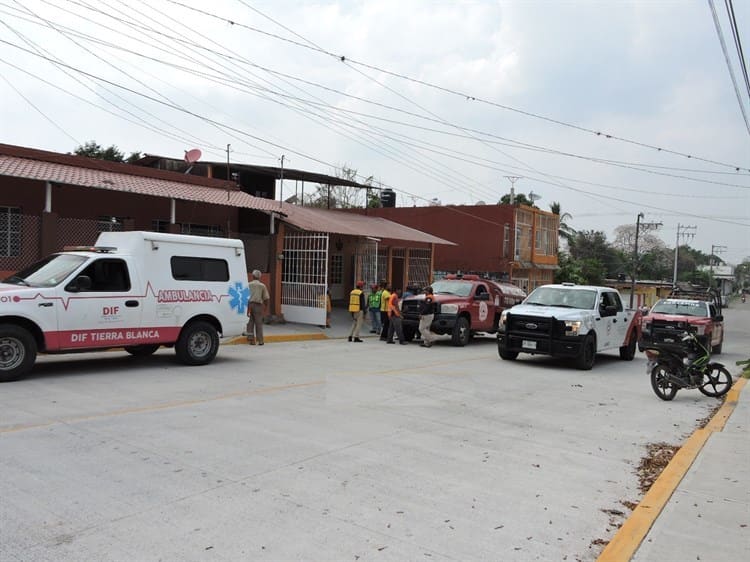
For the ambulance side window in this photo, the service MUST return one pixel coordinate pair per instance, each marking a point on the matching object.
(108, 275)
(199, 269)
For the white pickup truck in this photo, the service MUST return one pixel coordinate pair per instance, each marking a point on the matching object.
(134, 290)
(567, 320)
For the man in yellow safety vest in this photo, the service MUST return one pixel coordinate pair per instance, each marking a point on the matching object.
(357, 306)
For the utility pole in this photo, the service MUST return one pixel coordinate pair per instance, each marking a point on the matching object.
(513, 180)
(281, 183)
(682, 230)
(228, 176)
(638, 226)
(715, 249)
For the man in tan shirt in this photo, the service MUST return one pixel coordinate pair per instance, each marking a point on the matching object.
(256, 305)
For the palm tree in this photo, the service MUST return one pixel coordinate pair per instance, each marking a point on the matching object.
(565, 231)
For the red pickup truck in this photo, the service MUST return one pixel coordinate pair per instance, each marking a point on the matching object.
(466, 304)
(671, 316)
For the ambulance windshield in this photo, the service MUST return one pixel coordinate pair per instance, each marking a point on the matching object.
(47, 273)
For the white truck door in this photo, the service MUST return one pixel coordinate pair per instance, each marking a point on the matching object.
(105, 314)
(611, 321)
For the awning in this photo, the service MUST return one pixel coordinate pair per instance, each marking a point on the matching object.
(62, 169)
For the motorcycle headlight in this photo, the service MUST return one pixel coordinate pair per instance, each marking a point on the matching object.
(572, 327)
(449, 309)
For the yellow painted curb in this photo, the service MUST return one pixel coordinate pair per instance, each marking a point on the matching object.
(242, 340)
(624, 544)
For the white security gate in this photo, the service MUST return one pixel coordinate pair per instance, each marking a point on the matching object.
(366, 262)
(304, 278)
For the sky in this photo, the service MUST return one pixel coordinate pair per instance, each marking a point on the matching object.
(609, 108)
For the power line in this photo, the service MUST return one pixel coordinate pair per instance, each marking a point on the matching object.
(720, 33)
(463, 95)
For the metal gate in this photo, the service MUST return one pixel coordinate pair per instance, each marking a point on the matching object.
(304, 278)
(366, 262)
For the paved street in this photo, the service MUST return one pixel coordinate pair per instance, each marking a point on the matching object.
(329, 450)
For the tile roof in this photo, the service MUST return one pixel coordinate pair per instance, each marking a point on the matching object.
(341, 222)
(39, 165)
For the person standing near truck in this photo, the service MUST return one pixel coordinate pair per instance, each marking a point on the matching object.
(426, 315)
(357, 306)
(394, 319)
(256, 305)
(373, 302)
(385, 297)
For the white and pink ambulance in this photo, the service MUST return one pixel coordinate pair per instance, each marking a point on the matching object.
(132, 290)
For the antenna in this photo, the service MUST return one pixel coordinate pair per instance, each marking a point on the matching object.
(512, 180)
(191, 156)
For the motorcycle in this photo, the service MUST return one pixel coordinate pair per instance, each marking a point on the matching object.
(686, 366)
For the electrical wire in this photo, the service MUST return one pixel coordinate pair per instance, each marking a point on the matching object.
(720, 33)
(463, 95)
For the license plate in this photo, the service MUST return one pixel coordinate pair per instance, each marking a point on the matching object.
(528, 344)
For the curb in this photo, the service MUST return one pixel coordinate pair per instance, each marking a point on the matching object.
(629, 537)
(242, 340)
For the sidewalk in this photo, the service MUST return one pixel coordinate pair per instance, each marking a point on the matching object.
(699, 508)
(341, 324)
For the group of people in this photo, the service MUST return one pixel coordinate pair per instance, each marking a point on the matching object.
(383, 304)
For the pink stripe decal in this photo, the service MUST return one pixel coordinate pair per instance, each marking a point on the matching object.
(112, 337)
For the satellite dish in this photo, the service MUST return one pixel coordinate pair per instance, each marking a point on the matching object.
(192, 155)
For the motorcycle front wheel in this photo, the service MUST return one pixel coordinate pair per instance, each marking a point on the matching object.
(663, 387)
(716, 381)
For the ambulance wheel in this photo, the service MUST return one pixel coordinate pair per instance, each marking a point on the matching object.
(17, 352)
(198, 343)
(142, 350)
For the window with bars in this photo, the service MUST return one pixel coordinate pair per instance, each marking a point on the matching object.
(189, 228)
(337, 269)
(109, 224)
(10, 231)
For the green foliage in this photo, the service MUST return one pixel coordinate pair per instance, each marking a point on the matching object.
(113, 154)
(564, 231)
(745, 364)
(520, 199)
(341, 196)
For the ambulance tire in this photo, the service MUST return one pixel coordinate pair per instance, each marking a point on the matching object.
(198, 343)
(142, 350)
(17, 352)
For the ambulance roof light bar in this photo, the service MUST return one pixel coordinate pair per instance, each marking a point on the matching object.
(97, 249)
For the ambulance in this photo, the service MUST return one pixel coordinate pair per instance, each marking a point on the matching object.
(131, 290)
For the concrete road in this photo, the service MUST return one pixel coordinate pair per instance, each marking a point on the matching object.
(327, 450)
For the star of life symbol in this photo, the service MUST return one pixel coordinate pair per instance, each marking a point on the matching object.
(239, 294)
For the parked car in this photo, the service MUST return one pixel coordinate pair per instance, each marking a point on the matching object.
(568, 320)
(466, 304)
(669, 317)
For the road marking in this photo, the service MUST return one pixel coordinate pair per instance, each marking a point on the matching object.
(157, 407)
(625, 543)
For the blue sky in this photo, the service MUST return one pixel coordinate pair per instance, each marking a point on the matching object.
(651, 72)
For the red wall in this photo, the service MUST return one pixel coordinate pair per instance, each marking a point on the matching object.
(476, 229)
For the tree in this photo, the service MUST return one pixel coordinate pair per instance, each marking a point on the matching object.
(565, 231)
(520, 199)
(341, 196)
(113, 154)
(589, 247)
